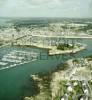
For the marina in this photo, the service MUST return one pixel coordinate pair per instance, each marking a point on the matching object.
(16, 58)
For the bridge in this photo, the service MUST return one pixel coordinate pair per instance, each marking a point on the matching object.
(30, 38)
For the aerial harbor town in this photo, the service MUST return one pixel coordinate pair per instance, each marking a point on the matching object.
(45, 49)
(66, 44)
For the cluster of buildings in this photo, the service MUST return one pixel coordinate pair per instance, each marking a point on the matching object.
(60, 29)
(77, 90)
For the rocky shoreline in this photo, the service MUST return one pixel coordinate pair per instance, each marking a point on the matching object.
(49, 84)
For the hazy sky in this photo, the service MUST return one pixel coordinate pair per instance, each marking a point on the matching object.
(46, 8)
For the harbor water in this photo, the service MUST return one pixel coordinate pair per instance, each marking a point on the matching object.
(13, 80)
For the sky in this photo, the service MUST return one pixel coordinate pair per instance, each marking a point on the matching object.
(46, 8)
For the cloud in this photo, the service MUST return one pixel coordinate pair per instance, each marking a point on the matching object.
(45, 7)
(90, 4)
(90, 8)
(45, 3)
(3, 2)
(38, 2)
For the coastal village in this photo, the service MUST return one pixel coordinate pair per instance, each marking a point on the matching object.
(45, 49)
(71, 80)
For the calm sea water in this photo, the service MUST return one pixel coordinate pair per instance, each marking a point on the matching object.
(13, 80)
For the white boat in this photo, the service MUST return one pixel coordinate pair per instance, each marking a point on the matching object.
(20, 58)
(3, 63)
(11, 60)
